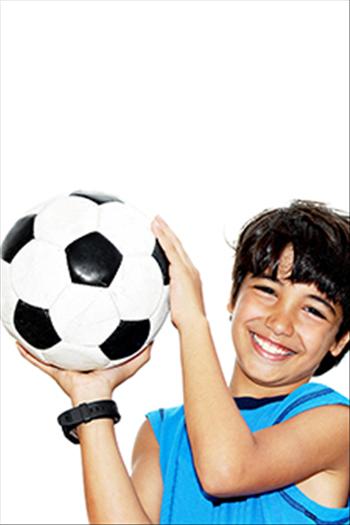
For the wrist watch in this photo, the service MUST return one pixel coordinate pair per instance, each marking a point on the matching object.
(84, 413)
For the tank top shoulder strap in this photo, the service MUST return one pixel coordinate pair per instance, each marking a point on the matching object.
(306, 397)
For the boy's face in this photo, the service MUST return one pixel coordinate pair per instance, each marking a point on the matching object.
(281, 331)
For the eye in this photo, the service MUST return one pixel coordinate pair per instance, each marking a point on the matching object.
(265, 289)
(315, 312)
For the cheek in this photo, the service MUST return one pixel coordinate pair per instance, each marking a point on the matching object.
(317, 340)
(243, 316)
(246, 310)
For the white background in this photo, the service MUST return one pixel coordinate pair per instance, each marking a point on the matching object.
(205, 112)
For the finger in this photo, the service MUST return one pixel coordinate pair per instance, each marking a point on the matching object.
(170, 233)
(166, 243)
(48, 369)
(129, 368)
(169, 241)
(145, 354)
(142, 358)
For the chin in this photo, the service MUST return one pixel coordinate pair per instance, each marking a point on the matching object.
(264, 376)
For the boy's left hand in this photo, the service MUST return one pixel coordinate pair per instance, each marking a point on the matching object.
(94, 384)
(186, 297)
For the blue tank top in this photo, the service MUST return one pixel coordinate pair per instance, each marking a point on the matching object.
(185, 502)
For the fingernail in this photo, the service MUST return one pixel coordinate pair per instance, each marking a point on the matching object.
(155, 225)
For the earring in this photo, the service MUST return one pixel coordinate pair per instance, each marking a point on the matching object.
(230, 318)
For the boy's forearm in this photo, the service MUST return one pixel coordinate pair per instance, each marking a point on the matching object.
(218, 434)
(109, 491)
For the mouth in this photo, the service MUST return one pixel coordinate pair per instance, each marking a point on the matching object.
(270, 350)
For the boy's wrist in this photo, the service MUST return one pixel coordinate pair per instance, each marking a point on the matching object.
(88, 396)
(86, 414)
(96, 425)
(193, 324)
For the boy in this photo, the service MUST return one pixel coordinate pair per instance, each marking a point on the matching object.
(270, 447)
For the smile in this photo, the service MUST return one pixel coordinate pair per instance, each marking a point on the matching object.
(269, 350)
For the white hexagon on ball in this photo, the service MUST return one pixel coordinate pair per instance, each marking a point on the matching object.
(84, 315)
(137, 287)
(66, 219)
(76, 357)
(39, 273)
(127, 228)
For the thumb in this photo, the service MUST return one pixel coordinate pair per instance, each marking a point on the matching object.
(138, 361)
(144, 356)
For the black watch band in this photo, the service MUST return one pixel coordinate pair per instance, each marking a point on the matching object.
(70, 419)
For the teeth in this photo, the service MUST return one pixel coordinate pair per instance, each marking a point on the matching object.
(268, 347)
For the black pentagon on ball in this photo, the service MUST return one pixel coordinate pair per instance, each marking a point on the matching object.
(35, 326)
(159, 255)
(93, 260)
(97, 197)
(19, 235)
(127, 339)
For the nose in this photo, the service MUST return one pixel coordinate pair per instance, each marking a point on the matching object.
(280, 322)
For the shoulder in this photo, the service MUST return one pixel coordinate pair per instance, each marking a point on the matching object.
(146, 472)
(152, 435)
(311, 396)
(318, 390)
(165, 420)
(316, 415)
(146, 444)
(309, 435)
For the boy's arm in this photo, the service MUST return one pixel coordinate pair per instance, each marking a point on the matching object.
(111, 495)
(229, 458)
(220, 439)
(146, 473)
(310, 443)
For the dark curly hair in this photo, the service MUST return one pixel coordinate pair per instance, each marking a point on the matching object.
(320, 237)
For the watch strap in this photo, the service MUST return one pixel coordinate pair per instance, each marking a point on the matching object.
(84, 413)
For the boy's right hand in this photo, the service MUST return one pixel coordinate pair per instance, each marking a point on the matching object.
(90, 386)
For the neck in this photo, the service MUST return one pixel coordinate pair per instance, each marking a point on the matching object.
(242, 385)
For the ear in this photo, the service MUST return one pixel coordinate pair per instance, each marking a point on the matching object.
(229, 307)
(337, 347)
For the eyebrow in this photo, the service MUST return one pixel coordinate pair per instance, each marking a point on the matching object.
(311, 296)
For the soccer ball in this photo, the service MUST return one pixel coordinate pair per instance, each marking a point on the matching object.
(85, 283)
